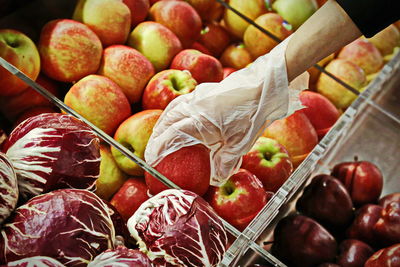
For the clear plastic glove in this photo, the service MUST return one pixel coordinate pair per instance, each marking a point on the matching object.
(229, 116)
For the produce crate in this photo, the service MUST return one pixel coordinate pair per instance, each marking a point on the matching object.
(369, 130)
(369, 127)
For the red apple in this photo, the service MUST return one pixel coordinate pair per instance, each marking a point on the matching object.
(156, 42)
(20, 51)
(180, 17)
(364, 54)
(362, 179)
(204, 68)
(240, 199)
(100, 101)
(257, 42)
(320, 111)
(12, 106)
(198, 46)
(109, 19)
(127, 68)
(296, 134)
(236, 56)
(347, 72)
(228, 71)
(166, 86)
(139, 10)
(69, 50)
(111, 178)
(188, 168)
(395, 197)
(134, 134)
(386, 257)
(129, 197)
(270, 162)
(386, 40)
(215, 38)
(387, 228)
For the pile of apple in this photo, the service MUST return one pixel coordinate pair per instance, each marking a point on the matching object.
(341, 222)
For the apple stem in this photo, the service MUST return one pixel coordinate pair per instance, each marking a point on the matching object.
(356, 158)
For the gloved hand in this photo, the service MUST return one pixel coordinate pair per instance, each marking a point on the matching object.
(229, 116)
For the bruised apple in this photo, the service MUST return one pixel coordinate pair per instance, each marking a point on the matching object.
(60, 225)
(188, 168)
(180, 228)
(52, 151)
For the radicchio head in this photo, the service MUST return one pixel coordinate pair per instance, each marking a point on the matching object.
(177, 227)
(70, 225)
(51, 151)
(38, 261)
(8, 188)
(121, 256)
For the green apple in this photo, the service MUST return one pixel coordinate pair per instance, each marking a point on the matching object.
(111, 178)
(296, 12)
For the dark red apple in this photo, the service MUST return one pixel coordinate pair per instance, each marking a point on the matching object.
(204, 68)
(362, 179)
(386, 257)
(215, 38)
(301, 241)
(240, 199)
(395, 197)
(387, 228)
(270, 162)
(362, 227)
(353, 253)
(129, 197)
(188, 167)
(198, 46)
(326, 200)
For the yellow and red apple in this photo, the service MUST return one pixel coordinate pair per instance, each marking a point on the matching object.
(134, 133)
(204, 68)
(111, 178)
(348, 72)
(386, 40)
(296, 134)
(109, 19)
(270, 162)
(100, 101)
(156, 42)
(236, 56)
(257, 42)
(180, 17)
(128, 68)
(69, 50)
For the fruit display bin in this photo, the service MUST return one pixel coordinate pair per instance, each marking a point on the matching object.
(368, 130)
